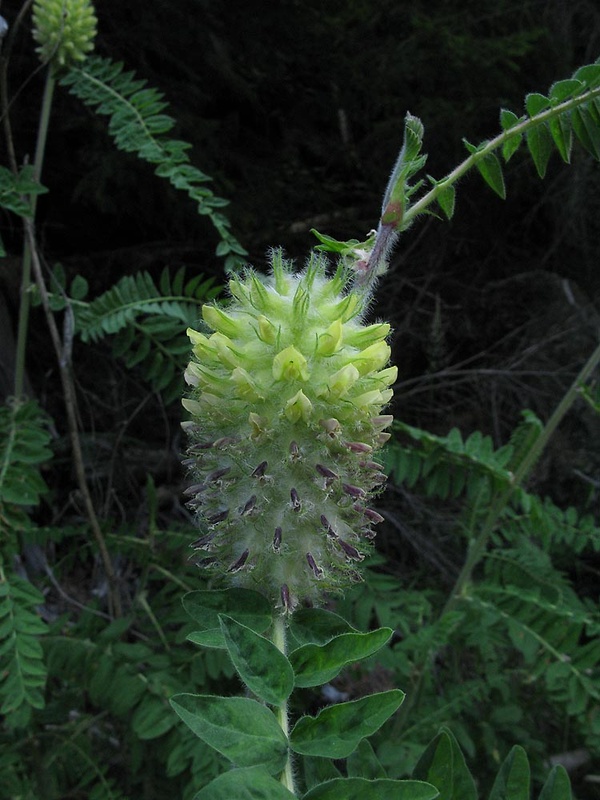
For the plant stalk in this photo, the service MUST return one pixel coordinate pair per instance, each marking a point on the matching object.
(25, 299)
(114, 600)
(287, 776)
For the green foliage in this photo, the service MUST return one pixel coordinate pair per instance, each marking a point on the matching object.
(250, 735)
(24, 440)
(257, 662)
(446, 466)
(240, 728)
(148, 321)
(522, 625)
(315, 664)
(251, 783)
(21, 657)
(139, 125)
(336, 730)
(15, 191)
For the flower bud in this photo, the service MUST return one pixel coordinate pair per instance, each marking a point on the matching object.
(64, 30)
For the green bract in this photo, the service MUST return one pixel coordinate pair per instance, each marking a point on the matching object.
(285, 410)
(64, 30)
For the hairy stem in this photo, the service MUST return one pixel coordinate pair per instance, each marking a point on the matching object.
(287, 777)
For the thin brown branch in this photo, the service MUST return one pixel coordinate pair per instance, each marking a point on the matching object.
(70, 398)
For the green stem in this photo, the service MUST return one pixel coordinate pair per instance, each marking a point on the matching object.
(287, 777)
(479, 545)
(25, 301)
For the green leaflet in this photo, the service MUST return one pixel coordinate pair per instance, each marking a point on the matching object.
(317, 664)
(557, 786)
(24, 444)
(512, 781)
(447, 200)
(152, 718)
(263, 668)
(316, 626)
(539, 143)
(336, 730)
(491, 171)
(362, 789)
(252, 783)
(443, 765)
(15, 188)
(563, 137)
(363, 763)
(243, 730)
(21, 656)
(243, 605)
(446, 464)
(318, 770)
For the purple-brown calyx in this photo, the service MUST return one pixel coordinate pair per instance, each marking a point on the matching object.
(327, 525)
(220, 517)
(241, 561)
(350, 551)
(295, 500)
(318, 572)
(260, 470)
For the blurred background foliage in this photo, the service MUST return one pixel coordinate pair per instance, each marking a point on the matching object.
(296, 110)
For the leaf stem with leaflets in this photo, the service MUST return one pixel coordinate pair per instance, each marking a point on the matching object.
(487, 148)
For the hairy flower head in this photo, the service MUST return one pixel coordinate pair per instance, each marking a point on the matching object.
(286, 414)
(64, 30)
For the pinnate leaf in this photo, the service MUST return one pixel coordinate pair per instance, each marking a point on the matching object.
(317, 664)
(241, 729)
(336, 730)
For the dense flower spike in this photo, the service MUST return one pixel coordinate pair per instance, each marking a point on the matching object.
(286, 411)
(64, 30)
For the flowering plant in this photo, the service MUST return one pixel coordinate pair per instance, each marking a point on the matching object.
(289, 385)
